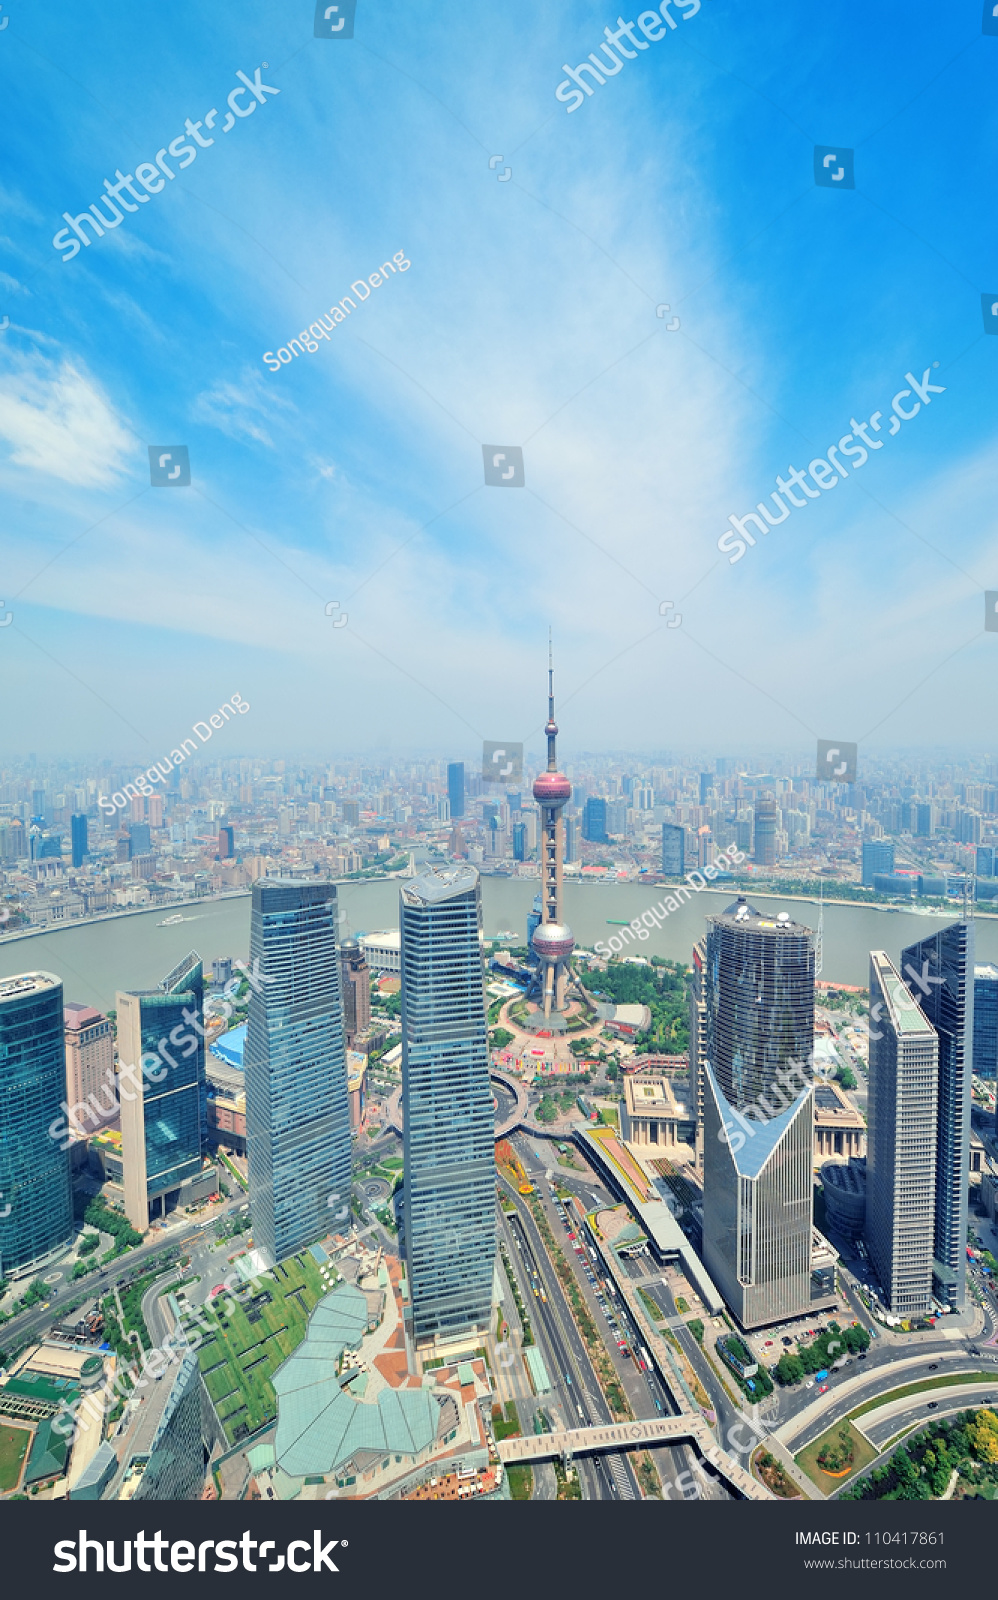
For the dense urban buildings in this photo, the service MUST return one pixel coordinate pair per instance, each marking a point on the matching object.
(163, 1092)
(450, 1185)
(297, 1106)
(355, 978)
(939, 973)
(36, 1213)
(902, 1121)
(758, 993)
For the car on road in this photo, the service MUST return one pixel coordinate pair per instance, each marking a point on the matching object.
(809, 1384)
(932, 1404)
(823, 1388)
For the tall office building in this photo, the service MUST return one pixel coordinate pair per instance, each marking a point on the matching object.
(901, 1142)
(519, 842)
(706, 784)
(165, 1457)
(226, 842)
(141, 839)
(78, 837)
(297, 1106)
(878, 859)
(673, 850)
(36, 1205)
(164, 1095)
(984, 864)
(939, 973)
(450, 1193)
(594, 826)
(533, 922)
(455, 788)
(986, 1021)
(355, 978)
(554, 940)
(571, 839)
(698, 1042)
(765, 831)
(758, 1237)
(91, 1094)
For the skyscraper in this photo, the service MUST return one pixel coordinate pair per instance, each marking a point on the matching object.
(455, 788)
(901, 1142)
(939, 973)
(594, 821)
(765, 831)
(554, 940)
(758, 995)
(78, 837)
(36, 1206)
(878, 858)
(986, 1021)
(571, 839)
(673, 850)
(355, 978)
(450, 1198)
(164, 1110)
(519, 842)
(165, 1457)
(226, 842)
(297, 1106)
(90, 1088)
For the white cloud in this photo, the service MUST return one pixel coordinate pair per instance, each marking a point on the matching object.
(242, 410)
(58, 421)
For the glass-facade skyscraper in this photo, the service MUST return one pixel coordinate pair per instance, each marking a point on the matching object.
(297, 1106)
(36, 1205)
(878, 857)
(939, 973)
(757, 991)
(164, 1110)
(455, 788)
(986, 1021)
(901, 1142)
(78, 837)
(450, 1179)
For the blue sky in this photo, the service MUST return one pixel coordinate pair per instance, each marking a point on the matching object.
(528, 317)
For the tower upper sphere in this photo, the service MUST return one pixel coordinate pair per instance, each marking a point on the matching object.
(552, 789)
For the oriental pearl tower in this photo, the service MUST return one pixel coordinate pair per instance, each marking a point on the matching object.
(553, 940)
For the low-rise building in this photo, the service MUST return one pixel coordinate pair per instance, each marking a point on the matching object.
(839, 1129)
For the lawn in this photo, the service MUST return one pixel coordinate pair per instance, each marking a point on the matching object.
(860, 1453)
(508, 1427)
(239, 1361)
(14, 1444)
(521, 1481)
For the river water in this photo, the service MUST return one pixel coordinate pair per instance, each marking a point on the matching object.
(97, 959)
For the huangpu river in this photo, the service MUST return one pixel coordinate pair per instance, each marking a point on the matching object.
(96, 959)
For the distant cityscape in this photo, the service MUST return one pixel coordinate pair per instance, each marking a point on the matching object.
(903, 831)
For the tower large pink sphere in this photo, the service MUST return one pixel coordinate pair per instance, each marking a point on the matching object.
(553, 941)
(552, 789)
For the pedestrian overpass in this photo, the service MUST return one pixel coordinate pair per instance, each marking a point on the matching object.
(686, 1429)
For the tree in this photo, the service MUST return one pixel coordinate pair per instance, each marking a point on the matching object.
(501, 1037)
(789, 1369)
(846, 1077)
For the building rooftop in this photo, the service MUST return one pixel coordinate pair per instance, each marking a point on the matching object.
(27, 983)
(437, 884)
(906, 1015)
(741, 914)
(78, 1015)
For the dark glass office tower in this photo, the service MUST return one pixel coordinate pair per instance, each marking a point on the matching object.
(900, 1142)
(939, 973)
(765, 831)
(163, 1097)
(455, 788)
(36, 1207)
(78, 837)
(297, 1108)
(167, 1454)
(757, 989)
(450, 1177)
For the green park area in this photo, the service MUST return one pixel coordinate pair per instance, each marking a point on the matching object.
(835, 1456)
(14, 1444)
(251, 1339)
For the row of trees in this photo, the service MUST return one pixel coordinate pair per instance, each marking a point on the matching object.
(819, 1353)
(922, 1467)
